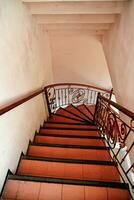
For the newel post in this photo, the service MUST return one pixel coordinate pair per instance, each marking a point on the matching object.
(111, 92)
(96, 106)
(47, 101)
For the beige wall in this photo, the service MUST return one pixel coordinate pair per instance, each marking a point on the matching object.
(119, 49)
(25, 65)
(78, 57)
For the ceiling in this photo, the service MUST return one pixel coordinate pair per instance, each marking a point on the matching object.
(95, 17)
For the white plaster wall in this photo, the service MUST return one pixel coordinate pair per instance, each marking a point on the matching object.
(119, 50)
(118, 45)
(25, 65)
(79, 57)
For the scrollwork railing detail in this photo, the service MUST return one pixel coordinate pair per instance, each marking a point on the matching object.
(118, 133)
(61, 95)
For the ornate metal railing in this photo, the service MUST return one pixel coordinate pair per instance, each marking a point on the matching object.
(118, 129)
(61, 95)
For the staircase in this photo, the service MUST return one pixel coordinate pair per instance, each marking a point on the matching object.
(67, 160)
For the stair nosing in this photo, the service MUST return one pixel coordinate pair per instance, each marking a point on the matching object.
(70, 136)
(69, 181)
(64, 160)
(69, 146)
(66, 123)
(68, 111)
(60, 115)
(62, 128)
(83, 113)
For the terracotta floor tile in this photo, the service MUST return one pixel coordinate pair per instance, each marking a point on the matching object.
(92, 172)
(68, 126)
(50, 191)
(62, 112)
(95, 193)
(38, 168)
(70, 132)
(24, 166)
(73, 171)
(73, 192)
(62, 119)
(85, 111)
(74, 110)
(74, 153)
(55, 170)
(71, 141)
(11, 189)
(103, 155)
(117, 194)
(34, 168)
(100, 172)
(109, 173)
(28, 190)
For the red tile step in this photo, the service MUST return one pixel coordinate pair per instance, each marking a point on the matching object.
(60, 118)
(67, 125)
(69, 153)
(87, 110)
(66, 112)
(68, 170)
(29, 190)
(70, 132)
(67, 140)
(78, 112)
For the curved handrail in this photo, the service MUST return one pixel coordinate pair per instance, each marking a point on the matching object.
(64, 94)
(20, 100)
(78, 84)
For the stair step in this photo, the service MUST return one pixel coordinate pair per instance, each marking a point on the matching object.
(71, 146)
(63, 160)
(70, 132)
(87, 116)
(70, 136)
(68, 170)
(56, 139)
(61, 118)
(74, 109)
(68, 153)
(68, 113)
(69, 181)
(87, 110)
(63, 125)
(35, 189)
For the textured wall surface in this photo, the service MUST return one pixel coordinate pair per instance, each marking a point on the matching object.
(119, 49)
(25, 65)
(78, 57)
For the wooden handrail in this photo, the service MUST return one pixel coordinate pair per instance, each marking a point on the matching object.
(20, 101)
(78, 84)
(11, 105)
(119, 107)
